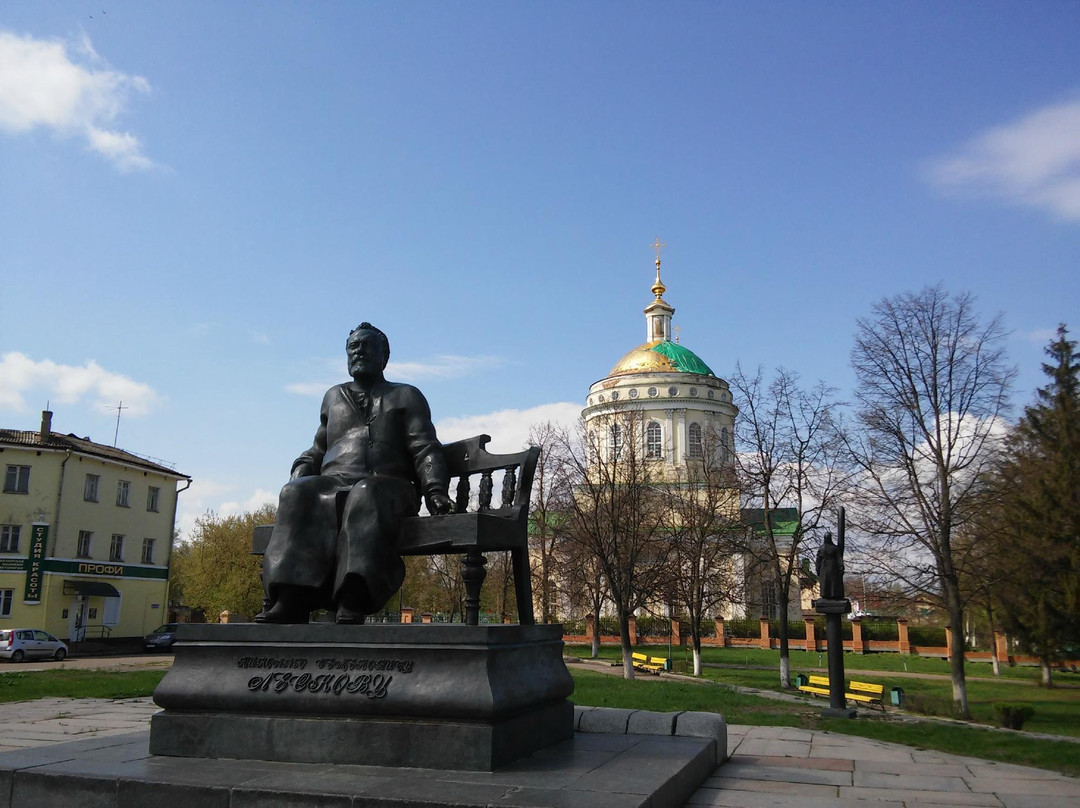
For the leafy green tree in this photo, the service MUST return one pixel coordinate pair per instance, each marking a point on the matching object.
(214, 569)
(1039, 539)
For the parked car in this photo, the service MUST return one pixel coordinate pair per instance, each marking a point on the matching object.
(161, 637)
(18, 644)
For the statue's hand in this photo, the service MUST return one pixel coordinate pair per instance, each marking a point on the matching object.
(439, 503)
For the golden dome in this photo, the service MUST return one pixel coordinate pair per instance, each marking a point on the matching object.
(660, 356)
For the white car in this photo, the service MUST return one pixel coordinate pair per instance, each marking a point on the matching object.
(18, 644)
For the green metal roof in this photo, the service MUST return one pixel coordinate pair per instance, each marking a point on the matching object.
(683, 358)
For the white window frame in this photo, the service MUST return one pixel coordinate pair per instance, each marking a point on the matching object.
(116, 547)
(111, 614)
(17, 479)
(123, 494)
(694, 446)
(654, 440)
(153, 498)
(9, 538)
(90, 487)
(88, 537)
(615, 441)
(147, 551)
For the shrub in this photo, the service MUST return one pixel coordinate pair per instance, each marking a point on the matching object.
(930, 636)
(742, 628)
(1013, 716)
(574, 627)
(649, 626)
(796, 629)
(931, 705)
(881, 630)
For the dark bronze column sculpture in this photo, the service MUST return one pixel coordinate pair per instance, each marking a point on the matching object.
(833, 604)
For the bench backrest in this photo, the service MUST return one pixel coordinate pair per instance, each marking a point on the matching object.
(822, 681)
(866, 687)
(467, 458)
(639, 657)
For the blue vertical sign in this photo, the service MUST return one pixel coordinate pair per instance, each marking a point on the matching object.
(38, 534)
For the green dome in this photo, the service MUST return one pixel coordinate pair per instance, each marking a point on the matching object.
(661, 356)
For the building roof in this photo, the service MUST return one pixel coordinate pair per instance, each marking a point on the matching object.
(784, 520)
(63, 443)
(661, 356)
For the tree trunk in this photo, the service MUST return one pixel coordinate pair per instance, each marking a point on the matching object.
(596, 642)
(956, 658)
(1047, 671)
(995, 663)
(697, 652)
(785, 651)
(624, 635)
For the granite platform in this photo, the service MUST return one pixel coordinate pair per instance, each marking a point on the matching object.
(635, 759)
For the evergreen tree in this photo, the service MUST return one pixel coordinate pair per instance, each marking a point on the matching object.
(1039, 485)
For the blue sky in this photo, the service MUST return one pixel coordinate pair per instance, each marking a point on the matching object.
(198, 200)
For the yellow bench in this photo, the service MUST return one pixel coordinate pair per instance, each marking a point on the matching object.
(858, 692)
(818, 686)
(647, 663)
(866, 693)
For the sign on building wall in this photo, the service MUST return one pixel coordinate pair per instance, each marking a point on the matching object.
(38, 534)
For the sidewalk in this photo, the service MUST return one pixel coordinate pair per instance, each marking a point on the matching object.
(777, 766)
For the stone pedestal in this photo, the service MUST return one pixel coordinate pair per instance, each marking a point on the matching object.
(430, 696)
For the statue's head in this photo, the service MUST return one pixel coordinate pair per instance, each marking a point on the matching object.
(828, 537)
(368, 350)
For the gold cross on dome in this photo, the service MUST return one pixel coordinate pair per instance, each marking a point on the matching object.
(656, 245)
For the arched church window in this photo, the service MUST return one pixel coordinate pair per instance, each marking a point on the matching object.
(695, 441)
(725, 445)
(615, 440)
(653, 446)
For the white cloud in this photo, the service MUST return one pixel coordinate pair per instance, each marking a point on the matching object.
(447, 366)
(68, 89)
(1041, 336)
(258, 498)
(20, 375)
(509, 429)
(1033, 161)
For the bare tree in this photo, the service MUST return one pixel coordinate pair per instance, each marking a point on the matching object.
(547, 511)
(582, 580)
(932, 384)
(789, 470)
(616, 514)
(703, 517)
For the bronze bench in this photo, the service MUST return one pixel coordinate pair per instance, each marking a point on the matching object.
(473, 533)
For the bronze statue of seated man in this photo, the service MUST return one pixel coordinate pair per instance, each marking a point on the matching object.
(375, 454)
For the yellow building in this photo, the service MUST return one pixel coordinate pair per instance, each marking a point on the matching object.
(85, 536)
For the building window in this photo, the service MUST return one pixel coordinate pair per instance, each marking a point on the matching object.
(695, 441)
(116, 548)
(653, 446)
(83, 550)
(152, 495)
(123, 490)
(17, 480)
(9, 538)
(148, 551)
(6, 596)
(725, 445)
(615, 441)
(90, 488)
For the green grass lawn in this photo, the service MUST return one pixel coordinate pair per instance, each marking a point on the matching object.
(648, 693)
(77, 684)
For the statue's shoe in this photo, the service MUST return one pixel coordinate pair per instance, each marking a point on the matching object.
(279, 613)
(348, 617)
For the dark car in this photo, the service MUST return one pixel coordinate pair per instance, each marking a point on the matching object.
(161, 637)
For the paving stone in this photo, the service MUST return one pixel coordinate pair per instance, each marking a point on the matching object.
(911, 782)
(918, 797)
(747, 799)
(1012, 785)
(770, 786)
(737, 769)
(1033, 801)
(763, 746)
